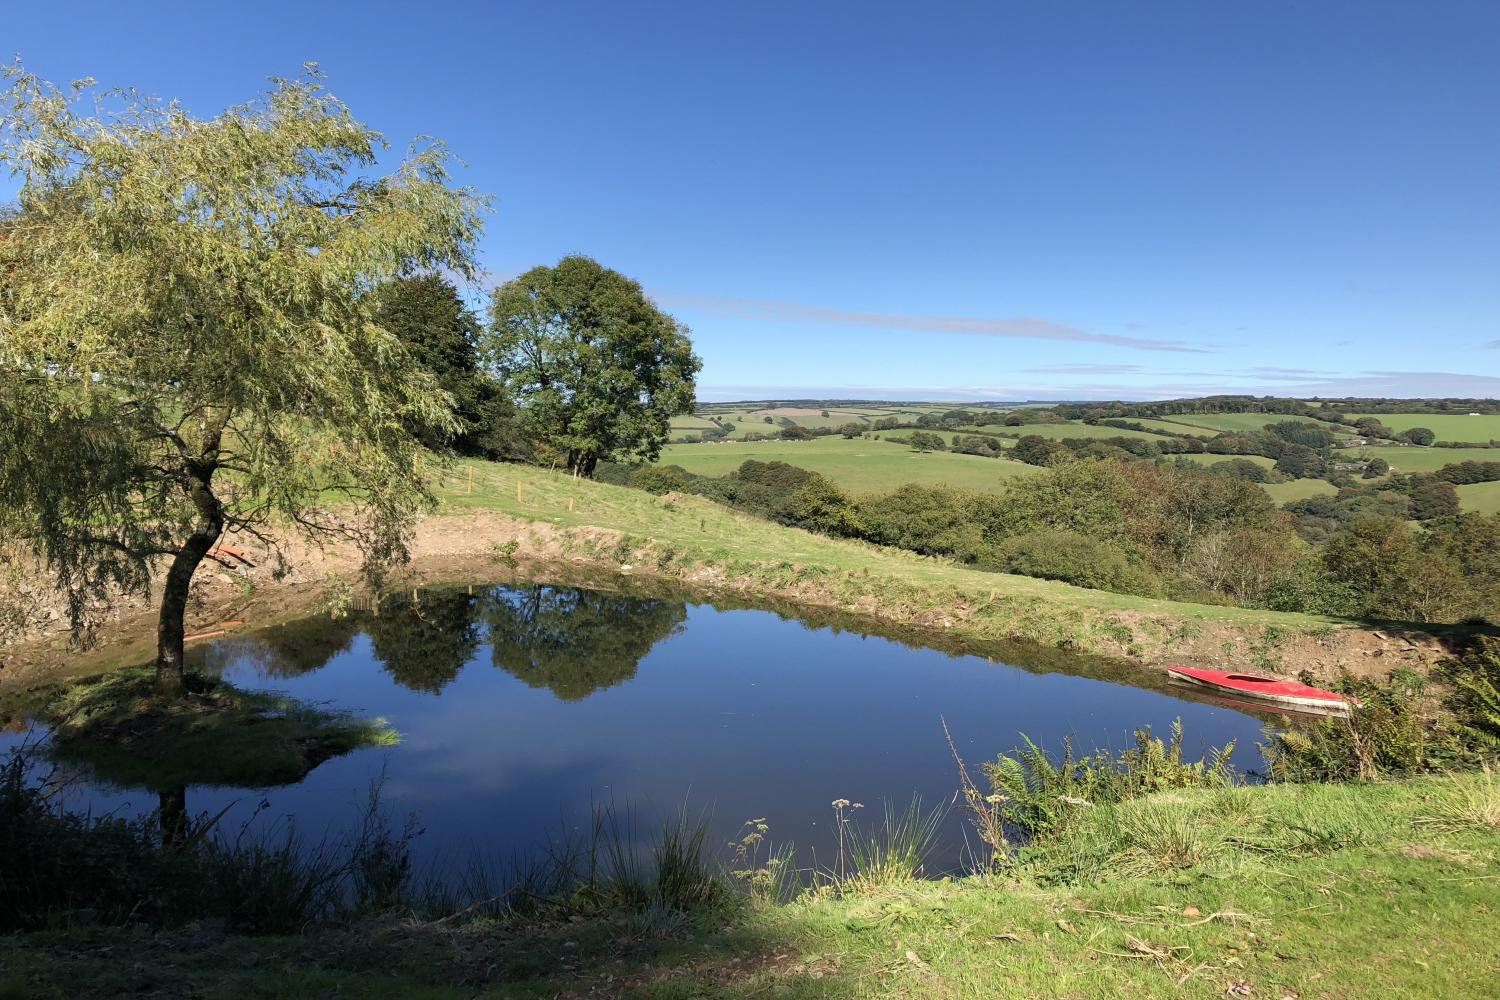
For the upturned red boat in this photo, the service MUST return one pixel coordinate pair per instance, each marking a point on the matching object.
(1288, 694)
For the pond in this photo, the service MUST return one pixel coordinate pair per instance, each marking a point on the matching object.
(520, 706)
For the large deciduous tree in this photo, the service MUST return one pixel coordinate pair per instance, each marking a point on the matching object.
(596, 368)
(426, 312)
(188, 345)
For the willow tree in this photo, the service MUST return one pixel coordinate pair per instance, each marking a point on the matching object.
(597, 369)
(188, 346)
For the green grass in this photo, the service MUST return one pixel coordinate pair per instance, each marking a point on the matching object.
(1361, 892)
(860, 465)
(1447, 426)
(1220, 422)
(1414, 459)
(1299, 489)
(1072, 429)
(1480, 498)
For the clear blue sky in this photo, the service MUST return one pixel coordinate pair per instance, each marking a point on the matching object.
(937, 200)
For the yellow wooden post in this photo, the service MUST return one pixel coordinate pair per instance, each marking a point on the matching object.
(471, 480)
(518, 491)
(570, 505)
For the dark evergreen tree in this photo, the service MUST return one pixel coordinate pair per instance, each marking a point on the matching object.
(431, 320)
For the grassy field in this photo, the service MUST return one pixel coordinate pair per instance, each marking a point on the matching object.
(1415, 459)
(1299, 489)
(1070, 429)
(1219, 422)
(861, 465)
(1356, 892)
(1480, 498)
(1447, 426)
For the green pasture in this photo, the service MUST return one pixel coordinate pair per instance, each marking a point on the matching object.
(861, 465)
(1299, 489)
(1218, 423)
(1480, 498)
(1414, 459)
(1447, 426)
(1070, 429)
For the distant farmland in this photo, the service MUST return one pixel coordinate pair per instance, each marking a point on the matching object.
(861, 465)
(865, 465)
(1447, 426)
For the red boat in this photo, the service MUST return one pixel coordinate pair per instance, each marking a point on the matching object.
(1287, 694)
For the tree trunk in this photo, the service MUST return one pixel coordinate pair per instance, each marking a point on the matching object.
(582, 463)
(174, 596)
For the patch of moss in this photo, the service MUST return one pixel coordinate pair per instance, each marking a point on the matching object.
(124, 733)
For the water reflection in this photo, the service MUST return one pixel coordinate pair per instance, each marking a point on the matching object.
(282, 651)
(567, 640)
(575, 642)
(425, 638)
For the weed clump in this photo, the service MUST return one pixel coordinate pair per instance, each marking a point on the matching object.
(1040, 798)
(1397, 729)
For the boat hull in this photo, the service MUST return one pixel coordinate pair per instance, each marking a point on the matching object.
(1264, 691)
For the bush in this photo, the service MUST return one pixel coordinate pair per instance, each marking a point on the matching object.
(820, 505)
(1041, 798)
(932, 520)
(1076, 559)
(1240, 468)
(925, 441)
(1390, 734)
(1308, 589)
(1475, 700)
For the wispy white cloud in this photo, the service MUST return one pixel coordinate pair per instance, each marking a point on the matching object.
(1269, 371)
(1493, 345)
(1019, 327)
(1383, 383)
(1084, 370)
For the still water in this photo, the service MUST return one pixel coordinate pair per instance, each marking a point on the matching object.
(519, 706)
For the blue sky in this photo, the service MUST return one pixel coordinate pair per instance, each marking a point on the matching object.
(938, 200)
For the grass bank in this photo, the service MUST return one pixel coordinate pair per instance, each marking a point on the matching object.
(1350, 891)
(717, 550)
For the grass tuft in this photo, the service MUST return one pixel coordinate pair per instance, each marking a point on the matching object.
(1470, 804)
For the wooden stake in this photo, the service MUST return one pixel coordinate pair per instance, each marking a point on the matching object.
(570, 505)
(518, 491)
(471, 480)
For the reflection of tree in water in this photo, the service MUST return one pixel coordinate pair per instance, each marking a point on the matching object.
(575, 642)
(425, 638)
(288, 650)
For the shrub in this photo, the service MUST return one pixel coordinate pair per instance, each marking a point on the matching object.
(1041, 798)
(1309, 589)
(1240, 468)
(820, 505)
(1078, 559)
(1475, 700)
(1391, 733)
(932, 520)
